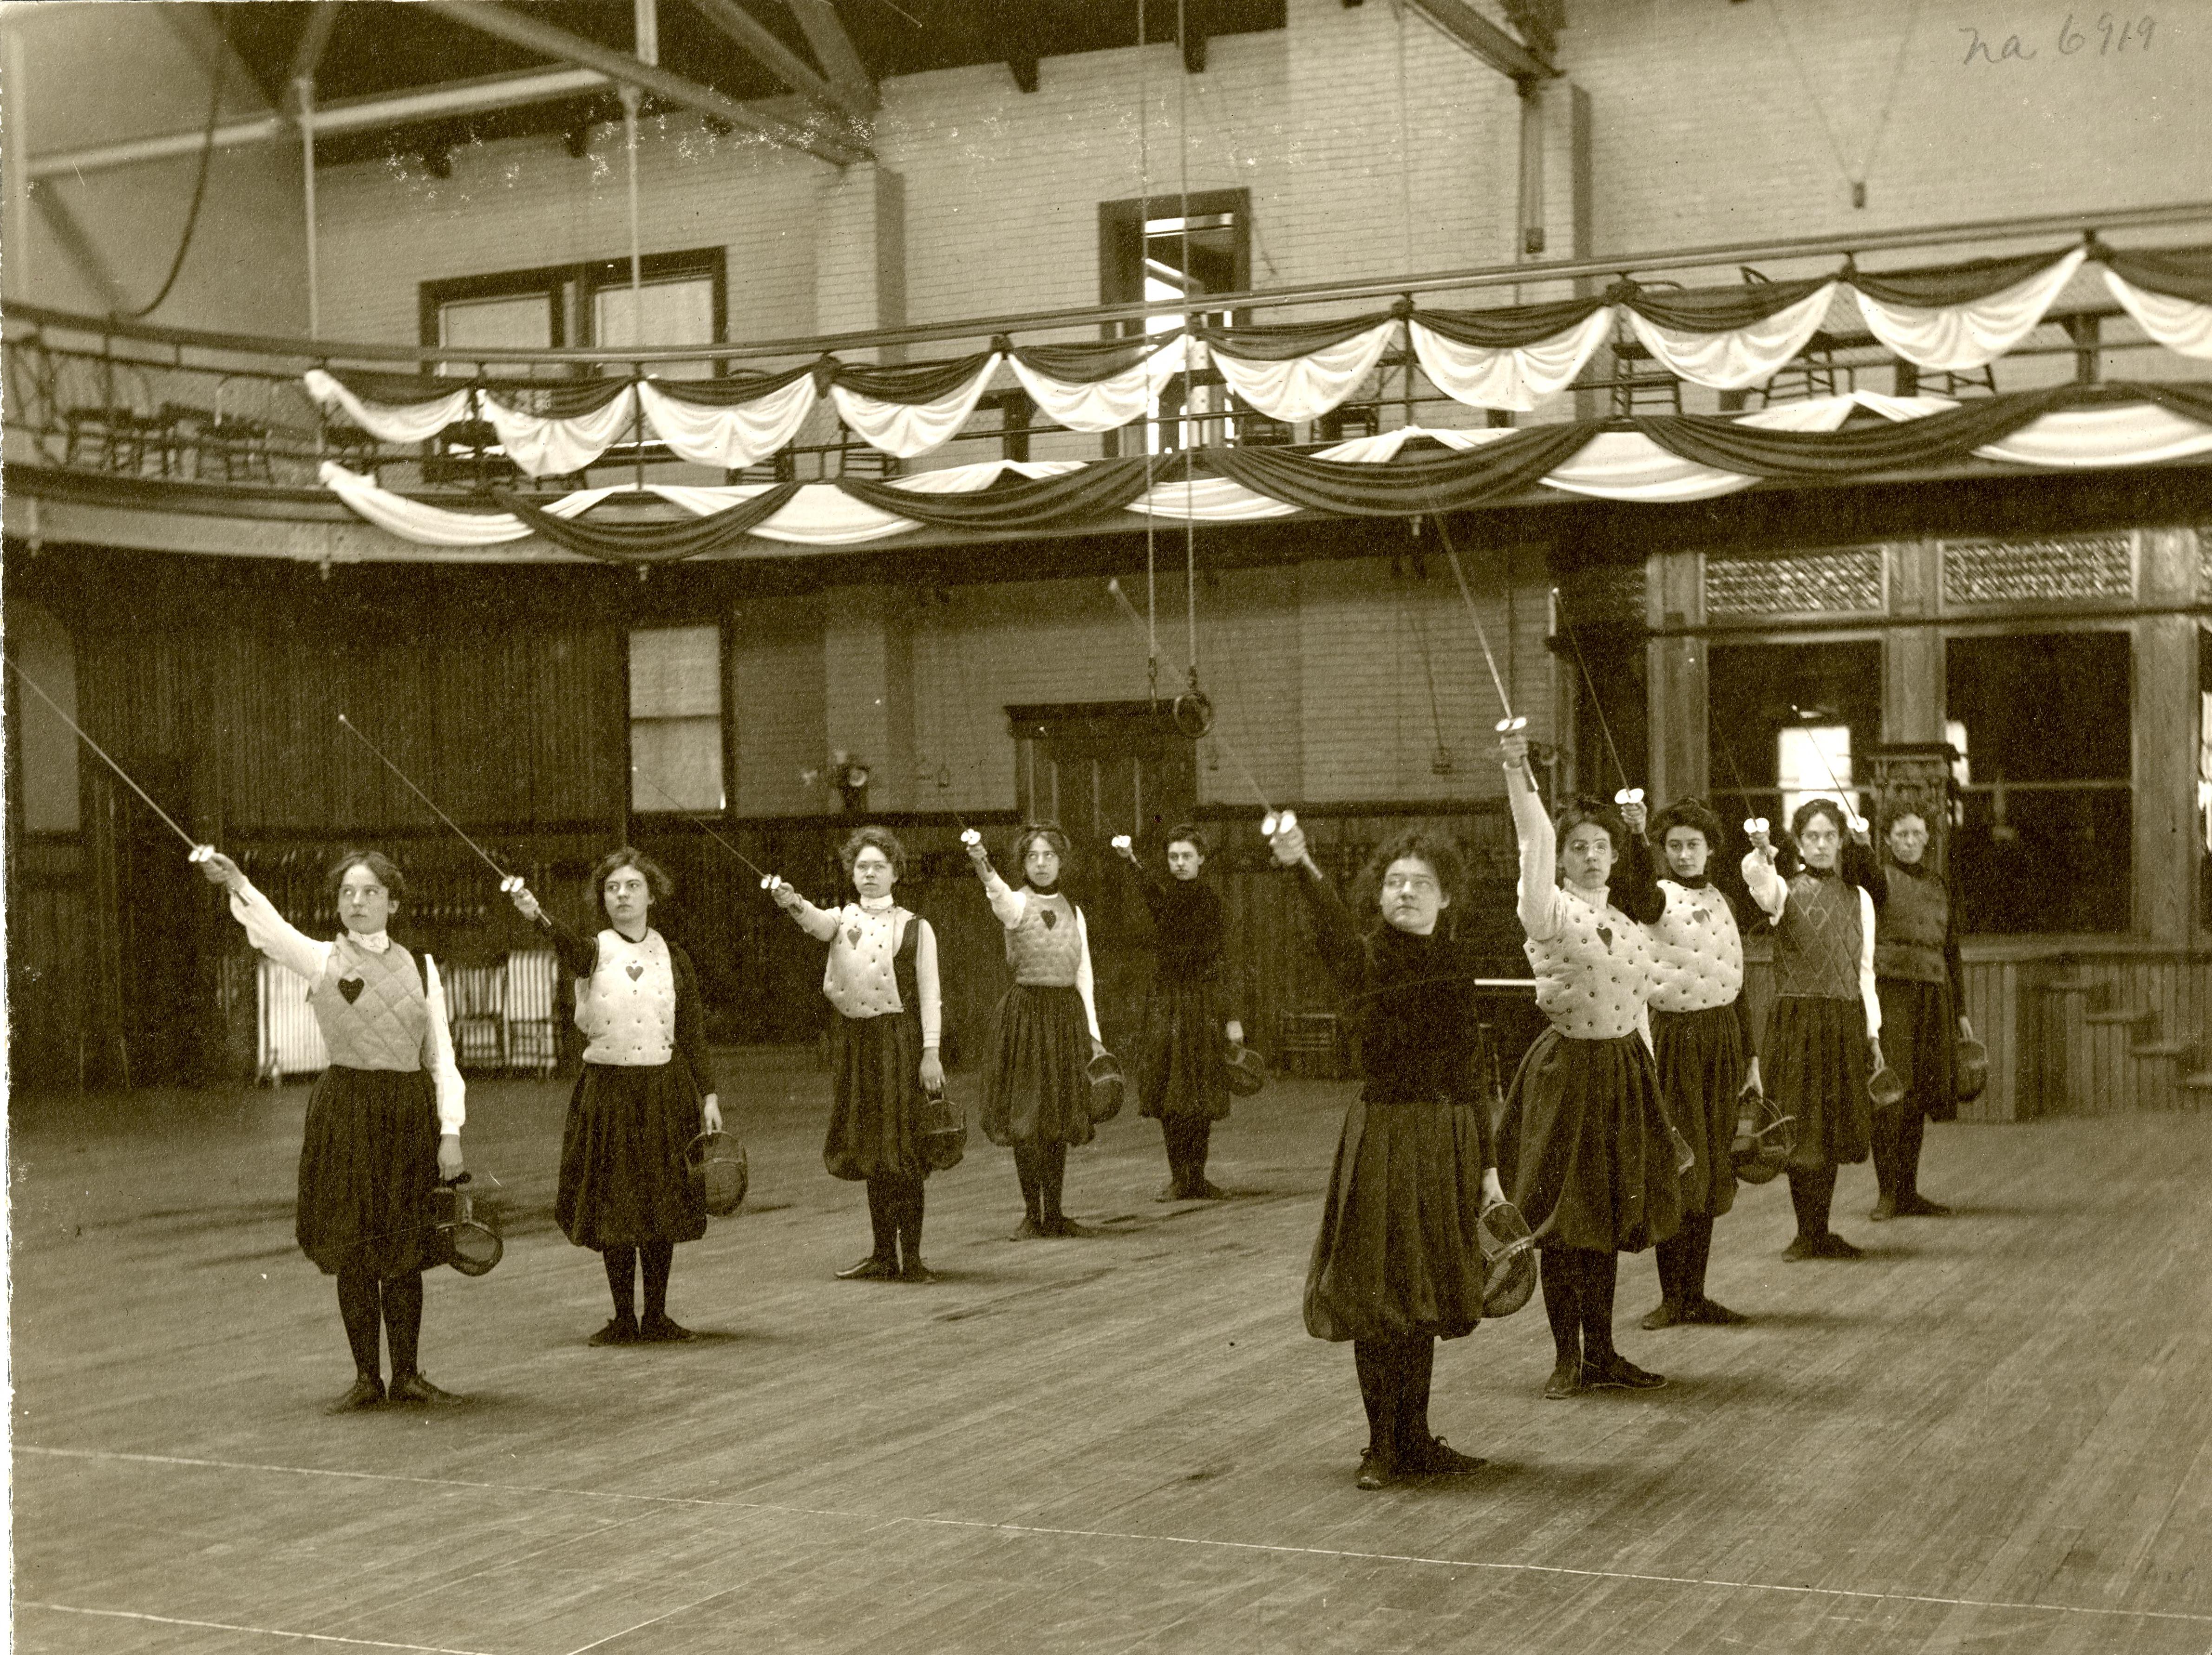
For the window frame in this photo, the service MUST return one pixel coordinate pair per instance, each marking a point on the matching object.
(584, 280)
(726, 742)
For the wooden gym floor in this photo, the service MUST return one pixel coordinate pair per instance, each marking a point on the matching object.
(1993, 1434)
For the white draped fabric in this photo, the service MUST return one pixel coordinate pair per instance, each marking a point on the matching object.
(2180, 324)
(1517, 379)
(1306, 387)
(733, 437)
(1628, 466)
(1959, 338)
(415, 422)
(2134, 433)
(551, 447)
(907, 429)
(1112, 403)
(1745, 357)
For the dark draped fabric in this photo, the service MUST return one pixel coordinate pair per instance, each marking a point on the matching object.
(1408, 485)
(1941, 285)
(2177, 272)
(731, 390)
(1510, 326)
(1285, 341)
(910, 383)
(1728, 446)
(1012, 502)
(655, 542)
(399, 390)
(1720, 310)
(557, 399)
(1088, 361)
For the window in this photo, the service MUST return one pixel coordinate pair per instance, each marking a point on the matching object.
(1172, 247)
(1785, 720)
(683, 298)
(2046, 839)
(676, 718)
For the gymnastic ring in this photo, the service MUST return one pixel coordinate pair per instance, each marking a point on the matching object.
(1194, 714)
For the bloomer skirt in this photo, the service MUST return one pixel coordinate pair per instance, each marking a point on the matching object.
(1583, 1150)
(1182, 1059)
(1038, 1089)
(622, 1178)
(1399, 1255)
(1815, 1061)
(1920, 1041)
(368, 1166)
(877, 1065)
(1701, 1068)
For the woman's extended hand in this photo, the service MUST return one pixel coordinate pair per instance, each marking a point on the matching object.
(781, 893)
(710, 1112)
(1289, 844)
(219, 869)
(449, 1156)
(525, 903)
(932, 1073)
(1493, 1192)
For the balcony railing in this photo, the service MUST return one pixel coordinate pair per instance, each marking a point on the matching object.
(100, 398)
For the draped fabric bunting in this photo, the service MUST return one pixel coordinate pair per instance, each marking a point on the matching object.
(1953, 318)
(1394, 474)
(1959, 336)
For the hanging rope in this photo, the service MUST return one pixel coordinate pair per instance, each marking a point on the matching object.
(1189, 284)
(199, 190)
(1597, 703)
(1152, 439)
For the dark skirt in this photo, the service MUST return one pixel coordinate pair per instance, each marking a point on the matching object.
(1920, 1042)
(368, 1164)
(622, 1178)
(1815, 1066)
(1583, 1150)
(1182, 1057)
(1038, 1089)
(877, 1065)
(1701, 1068)
(1399, 1255)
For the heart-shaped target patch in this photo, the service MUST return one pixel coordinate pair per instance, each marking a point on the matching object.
(350, 987)
(853, 935)
(635, 969)
(1050, 919)
(1605, 936)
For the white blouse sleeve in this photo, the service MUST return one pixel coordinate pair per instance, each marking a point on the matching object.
(1538, 902)
(1868, 996)
(925, 982)
(276, 936)
(445, 1072)
(821, 924)
(1085, 984)
(1008, 903)
(1767, 888)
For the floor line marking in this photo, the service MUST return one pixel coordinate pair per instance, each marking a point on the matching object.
(264, 1632)
(775, 1509)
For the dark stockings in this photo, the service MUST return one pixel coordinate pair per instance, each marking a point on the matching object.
(1896, 1138)
(895, 1215)
(1188, 1138)
(1393, 1383)
(1682, 1259)
(1578, 1288)
(364, 1301)
(1812, 1193)
(1042, 1169)
(622, 1262)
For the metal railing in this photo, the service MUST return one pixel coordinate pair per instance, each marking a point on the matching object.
(125, 400)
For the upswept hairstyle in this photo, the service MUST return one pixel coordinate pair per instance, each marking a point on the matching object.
(1190, 833)
(1688, 813)
(656, 877)
(1050, 832)
(882, 839)
(1439, 853)
(1814, 807)
(1587, 807)
(386, 871)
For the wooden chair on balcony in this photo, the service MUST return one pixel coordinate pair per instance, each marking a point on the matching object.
(856, 458)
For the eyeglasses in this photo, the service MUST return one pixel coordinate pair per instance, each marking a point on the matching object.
(1416, 882)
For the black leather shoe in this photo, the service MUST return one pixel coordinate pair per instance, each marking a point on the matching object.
(1206, 1191)
(414, 1388)
(662, 1330)
(1882, 1211)
(914, 1270)
(1374, 1471)
(1171, 1190)
(620, 1330)
(1665, 1314)
(1801, 1247)
(1707, 1313)
(1917, 1206)
(1616, 1372)
(368, 1392)
(1439, 1458)
(869, 1268)
(1566, 1381)
(1832, 1245)
(1062, 1225)
(1029, 1231)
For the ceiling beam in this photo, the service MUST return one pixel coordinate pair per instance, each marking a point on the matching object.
(834, 49)
(738, 25)
(1493, 45)
(838, 148)
(354, 115)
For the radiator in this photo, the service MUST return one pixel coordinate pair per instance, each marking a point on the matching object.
(290, 1041)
